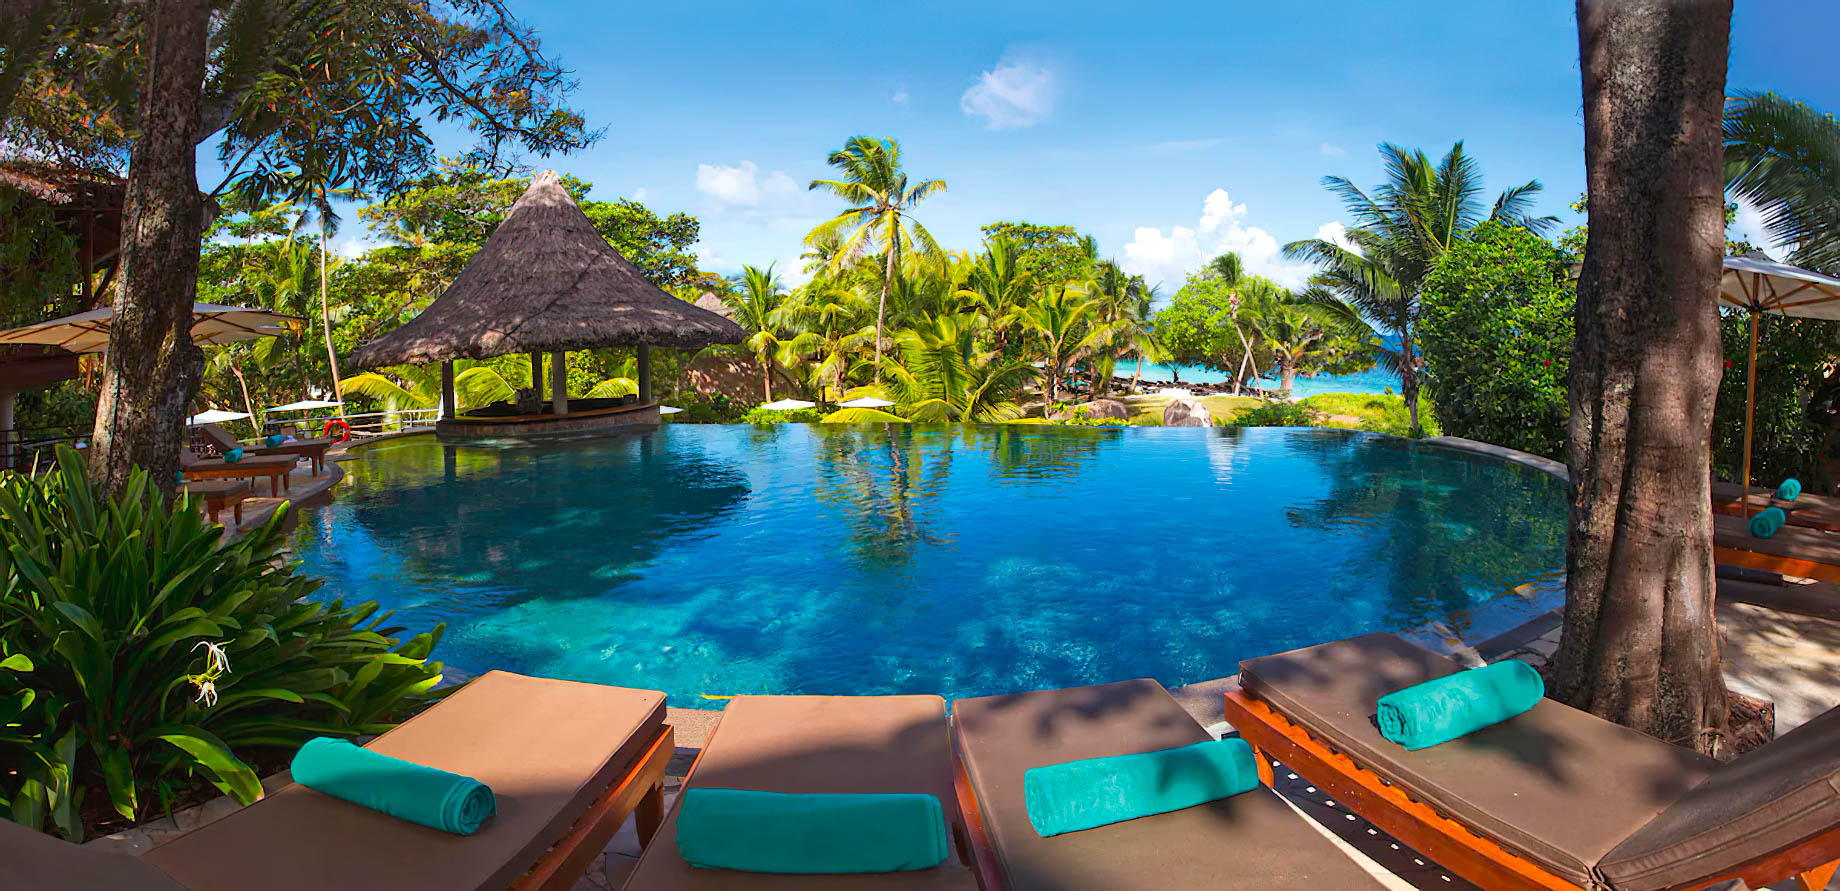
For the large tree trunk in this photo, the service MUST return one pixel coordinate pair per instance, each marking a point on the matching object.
(152, 367)
(1640, 646)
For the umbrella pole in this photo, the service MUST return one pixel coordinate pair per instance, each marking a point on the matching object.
(1750, 410)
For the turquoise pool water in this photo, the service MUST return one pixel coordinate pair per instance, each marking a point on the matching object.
(710, 560)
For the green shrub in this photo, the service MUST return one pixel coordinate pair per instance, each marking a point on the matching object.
(706, 408)
(1273, 414)
(1793, 358)
(1384, 413)
(146, 656)
(1495, 328)
(792, 416)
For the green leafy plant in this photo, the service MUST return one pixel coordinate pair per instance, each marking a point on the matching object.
(793, 416)
(149, 657)
(1495, 328)
(1274, 414)
(1385, 413)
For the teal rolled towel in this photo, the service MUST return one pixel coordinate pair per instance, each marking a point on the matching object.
(1077, 795)
(434, 798)
(1765, 522)
(1790, 489)
(274, 439)
(1424, 715)
(810, 834)
(234, 455)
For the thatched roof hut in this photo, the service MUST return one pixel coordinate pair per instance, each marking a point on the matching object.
(546, 282)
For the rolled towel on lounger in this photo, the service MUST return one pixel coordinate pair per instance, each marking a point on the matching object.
(777, 832)
(1424, 715)
(1077, 795)
(1790, 489)
(274, 439)
(434, 798)
(1765, 523)
(234, 455)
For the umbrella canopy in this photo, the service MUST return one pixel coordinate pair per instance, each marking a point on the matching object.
(306, 405)
(866, 402)
(1757, 284)
(88, 332)
(215, 416)
(668, 409)
(788, 405)
(546, 282)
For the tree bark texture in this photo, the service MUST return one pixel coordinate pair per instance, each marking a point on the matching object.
(152, 368)
(1640, 646)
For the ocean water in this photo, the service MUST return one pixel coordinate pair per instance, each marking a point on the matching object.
(711, 560)
(1375, 381)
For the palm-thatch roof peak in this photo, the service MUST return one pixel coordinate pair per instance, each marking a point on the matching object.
(546, 281)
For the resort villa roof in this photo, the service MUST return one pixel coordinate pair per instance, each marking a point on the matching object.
(546, 282)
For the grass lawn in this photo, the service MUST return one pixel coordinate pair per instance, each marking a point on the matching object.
(1354, 411)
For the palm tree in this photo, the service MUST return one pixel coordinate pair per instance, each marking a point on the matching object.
(319, 198)
(945, 374)
(880, 214)
(1399, 233)
(1061, 321)
(1784, 158)
(1121, 305)
(476, 383)
(754, 308)
(833, 331)
(1231, 272)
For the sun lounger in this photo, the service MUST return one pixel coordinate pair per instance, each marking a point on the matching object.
(1251, 840)
(568, 763)
(1803, 598)
(216, 495)
(275, 467)
(1553, 798)
(314, 450)
(818, 744)
(1791, 551)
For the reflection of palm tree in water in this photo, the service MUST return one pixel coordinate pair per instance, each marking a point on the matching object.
(882, 480)
(1033, 452)
(1434, 547)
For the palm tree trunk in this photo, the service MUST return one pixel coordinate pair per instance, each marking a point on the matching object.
(249, 405)
(1640, 645)
(325, 315)
(1139, 374)
(766, 376)
(1408, 381)
(881, 306)
(1245, 356)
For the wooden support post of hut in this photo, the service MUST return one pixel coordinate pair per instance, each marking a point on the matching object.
(449, 404)
(559, 382)
(547, 282)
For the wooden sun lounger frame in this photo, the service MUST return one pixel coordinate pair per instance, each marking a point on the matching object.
(277, 476)
(1453, 845)
(1825, 572)
(639, 793)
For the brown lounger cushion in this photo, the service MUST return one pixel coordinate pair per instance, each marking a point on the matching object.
(1556, 785)
(1792, 542)
(1818, 599)
(32, 859)
(546, 748)
(1780, 795)
(818, 744)
(1251, 840)
(255, 464)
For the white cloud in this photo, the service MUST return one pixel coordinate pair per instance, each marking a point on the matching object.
(639, 194)
(1169, 258)
(1016, 93)
(1337, 234)
(900, 96)
(1333, 151)
(742, 184)
(1749, 226)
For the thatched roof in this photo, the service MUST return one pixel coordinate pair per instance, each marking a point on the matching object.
(546, 281)
(60, 184)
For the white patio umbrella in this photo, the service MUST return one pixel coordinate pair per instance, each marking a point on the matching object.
(215, 416)
(1757, 284)
(668, 409)
(788, 405)
(305, 405)
(866, 402)
(212, 323)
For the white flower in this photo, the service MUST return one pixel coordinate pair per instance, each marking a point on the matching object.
(216, 660)
(207, 693)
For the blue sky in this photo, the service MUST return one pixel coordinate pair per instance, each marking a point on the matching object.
(1170, 132)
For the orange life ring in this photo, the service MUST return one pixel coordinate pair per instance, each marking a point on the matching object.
(339, 425)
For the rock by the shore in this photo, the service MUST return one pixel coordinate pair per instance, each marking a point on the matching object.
(1106, 408)
(1186, 413)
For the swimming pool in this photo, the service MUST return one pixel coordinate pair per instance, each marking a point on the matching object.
(707, 560)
